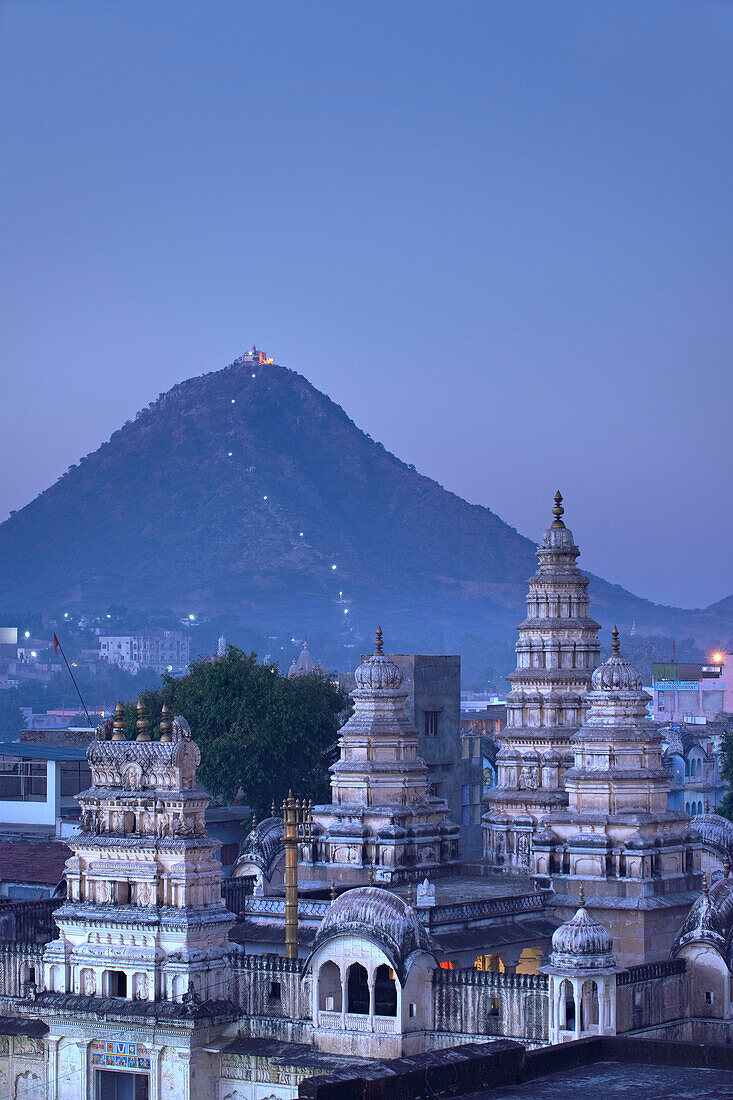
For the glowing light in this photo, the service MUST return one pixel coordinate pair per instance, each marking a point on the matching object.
(346, 611)
(33, 653)
(717, 658)
(333, 566)
(109, 616)
(74, 664)
(66, 614)
(234, 401)
(229, 453)
(264, 498)
(254, 375)
(169, 668)
(191, 617)
(27, 633)
(300, 533)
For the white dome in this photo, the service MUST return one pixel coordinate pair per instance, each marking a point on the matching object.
(378, 673)
(616, 673)
(582, 943)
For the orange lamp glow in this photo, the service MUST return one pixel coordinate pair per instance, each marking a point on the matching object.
(717, 658)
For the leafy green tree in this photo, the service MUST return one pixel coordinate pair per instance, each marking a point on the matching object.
(260, 734)
(725, 809)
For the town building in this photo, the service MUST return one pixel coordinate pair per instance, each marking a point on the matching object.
(161, 650)
(691, 693)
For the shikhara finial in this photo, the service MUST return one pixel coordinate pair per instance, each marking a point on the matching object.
(380, 641)
(558, 511)
(705, 887)
(409, 893)
(615, 643)
(166, 725)
(726, 867)
(333, 891)
(119, 723)
(581, 896)
(370, 874)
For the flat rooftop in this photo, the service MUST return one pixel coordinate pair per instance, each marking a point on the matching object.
(619, 1081)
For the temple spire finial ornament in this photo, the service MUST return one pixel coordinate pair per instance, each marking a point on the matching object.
(615, 643)
(142, 722)
(705, 887)
(726, 867)
(380, 642)
(558, 511)
(409, 893)
(581, 897)
(166, 725)
(119, 723)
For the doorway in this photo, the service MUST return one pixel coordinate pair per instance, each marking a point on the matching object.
(110, 1085)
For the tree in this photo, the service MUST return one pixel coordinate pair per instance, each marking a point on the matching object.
(259, 732)
(725, 809)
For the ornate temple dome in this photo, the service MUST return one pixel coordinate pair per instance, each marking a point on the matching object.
(378, 673)
(379, 916)
(710, 920)
(264, 845)
(582, 943)
(616, 673)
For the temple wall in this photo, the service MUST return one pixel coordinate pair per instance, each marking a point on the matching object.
(472, 1003)
(20, 962)
(22, 1067)
(650, 995)
(272, 997)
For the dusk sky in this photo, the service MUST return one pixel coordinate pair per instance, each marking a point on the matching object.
(499, 234)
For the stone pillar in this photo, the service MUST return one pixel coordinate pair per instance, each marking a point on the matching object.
(578, 998)
(370, 982)
(52, 1044)
(83, 1049)
(344, 990)
(154, 1075)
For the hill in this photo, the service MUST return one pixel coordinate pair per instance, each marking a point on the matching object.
(241, 490)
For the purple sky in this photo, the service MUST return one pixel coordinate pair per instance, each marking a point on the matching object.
(497, 233)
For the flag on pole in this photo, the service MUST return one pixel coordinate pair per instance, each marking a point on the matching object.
(56, 643)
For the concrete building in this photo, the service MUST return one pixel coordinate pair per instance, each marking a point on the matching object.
(691, 693)
(161, 650)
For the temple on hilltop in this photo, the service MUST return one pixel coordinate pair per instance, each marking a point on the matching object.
(557, 651)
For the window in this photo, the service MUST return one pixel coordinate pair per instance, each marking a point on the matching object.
(660, 700)
(116, 983)
(22, 780)
(431, 723)
(412, 1011)
(274, 991)
(465, 794)
(708, 997)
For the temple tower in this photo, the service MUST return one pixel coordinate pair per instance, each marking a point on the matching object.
(617, 837)
(138, 980)
(557, 651)
(381, 814)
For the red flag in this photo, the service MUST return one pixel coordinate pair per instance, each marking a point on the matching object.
(56, 643)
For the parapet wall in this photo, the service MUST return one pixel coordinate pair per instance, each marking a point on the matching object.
(649, 995)
(478, 1003)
